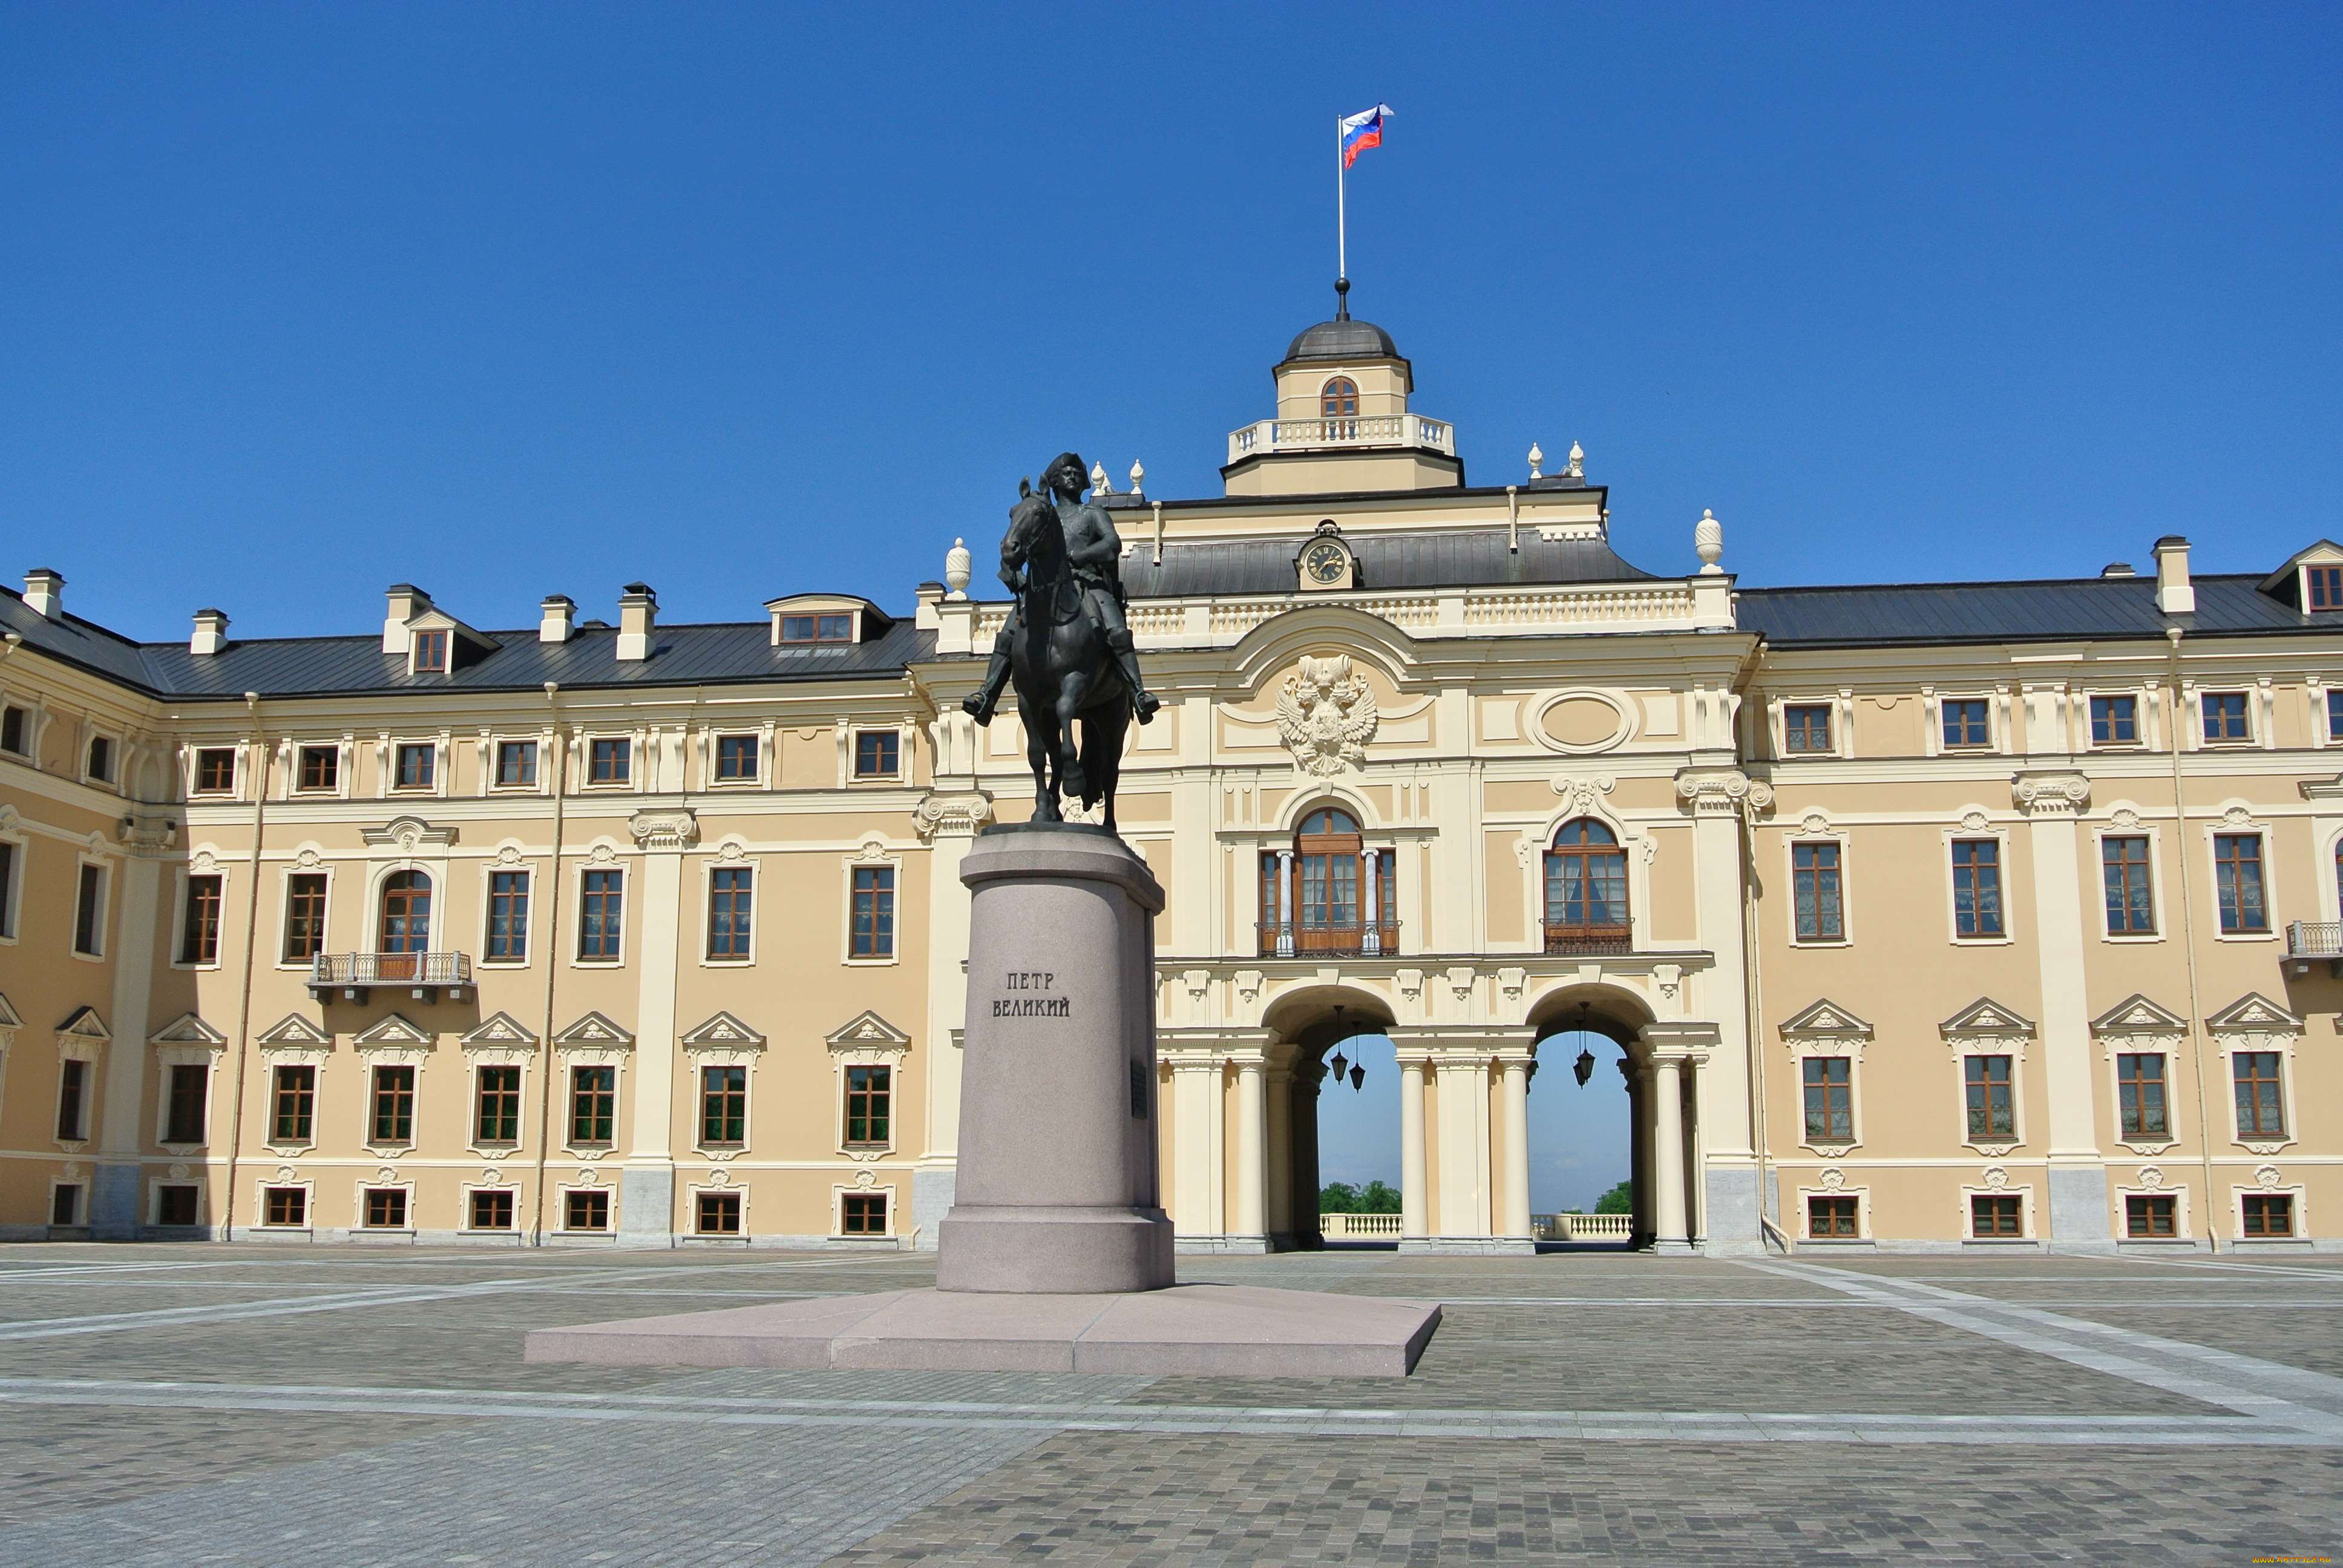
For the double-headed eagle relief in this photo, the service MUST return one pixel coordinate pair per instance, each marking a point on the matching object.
(1326, 715)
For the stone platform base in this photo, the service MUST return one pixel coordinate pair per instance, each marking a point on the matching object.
(1215, 1331)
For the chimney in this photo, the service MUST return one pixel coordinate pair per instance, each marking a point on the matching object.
(2173, 594)
(556, 617)
(638, 614)
(406, 602)
(45, 592)
(2117, 569)
(211, 632)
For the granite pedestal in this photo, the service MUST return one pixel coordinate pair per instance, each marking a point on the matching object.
(1056, 1254)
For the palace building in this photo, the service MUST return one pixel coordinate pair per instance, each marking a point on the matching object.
(1927, 916)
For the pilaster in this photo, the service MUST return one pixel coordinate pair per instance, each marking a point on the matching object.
(1720, 800)
(114, 1209)
(950, 823)
(647, 1184)
(2077, 1174)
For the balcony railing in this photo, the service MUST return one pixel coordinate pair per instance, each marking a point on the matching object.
(1605, 939)
(358, 973)
(1359, 431)
(1286, 939)
(1584, 1227)
(1359, 1227)
(2315, 941)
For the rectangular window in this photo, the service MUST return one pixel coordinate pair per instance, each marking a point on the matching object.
(89, 912)
(321, 767)
(176, 1205)
(2262, 1103)
(1807, 727)
(601, 916)
(73, 1097)
(723, 1106)
(1976, 888)
(1995, 1215)
(2148, 1215)
(286, 1206)
(862, 1214)
(386, 1208)
(498, 1118)
(65, 1203)
(516, 764)
(184, 1108)
(2131, 906)
(869, 1094)
(7, 888)
(418, 765)
(586, 1211)
(2334, 714)
(292, 1104)
(492, 1209)
(593, 1105)
(431, 651)
(13, 729)
(508, 917)
(875, 753)
(2224, 715)
(1993, 1112)
(874, 912)
(609, 761)
(101, 759)
(818, 628)
(215, 770)
(2115, 721)
(199, 924)
(304, 916)
(2237, 882)
(2326, 584)
(1965, 722)
(736, 759)
(732, 901)
(393, 1117)
(1829, 1218)
(2268, 1214)
(1814, 887)
(2139, 1095)
(1830, 1104)
(719, 1213)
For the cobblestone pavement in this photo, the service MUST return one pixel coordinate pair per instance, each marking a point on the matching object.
(265, 1405)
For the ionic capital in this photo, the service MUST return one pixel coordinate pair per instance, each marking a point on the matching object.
(2051, 794)
(962, 816)
(672, 830)
(1722, 791)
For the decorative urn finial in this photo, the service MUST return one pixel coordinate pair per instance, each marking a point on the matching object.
(1537, 461)
(1577, 469)
(1708, 542)
(1098, 483)
(959, 566)
(1138, 473)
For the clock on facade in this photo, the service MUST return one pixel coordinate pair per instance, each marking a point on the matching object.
(1326, 562)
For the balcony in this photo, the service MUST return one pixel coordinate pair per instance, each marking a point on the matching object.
(357, 974)
(1333, 435)
(1595, 940)
(2315, 941)
(1285, 939)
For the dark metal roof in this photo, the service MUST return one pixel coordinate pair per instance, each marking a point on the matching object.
(2076, 610)
(1457, 559)
(1343, 339)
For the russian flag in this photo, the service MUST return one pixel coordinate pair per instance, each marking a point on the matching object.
(1360, 132)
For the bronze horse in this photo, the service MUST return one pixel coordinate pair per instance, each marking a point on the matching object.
(1061, 667)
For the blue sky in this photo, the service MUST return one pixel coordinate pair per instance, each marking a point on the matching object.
(301, 300)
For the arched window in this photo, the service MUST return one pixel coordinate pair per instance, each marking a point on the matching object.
(406, 923)
(1585, 889)
(1339, 399)
(1329, 893)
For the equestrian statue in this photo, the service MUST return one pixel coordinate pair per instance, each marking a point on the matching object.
(1066, 643)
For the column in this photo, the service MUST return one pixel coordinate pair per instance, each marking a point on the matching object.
(1639, 1145)
(1281, 1156)
(1668, 1156)
(1196, 1145)
(116, 1210)
(1285, 903)
(1412, 1178)
(1253, 1208)
(1726, 1176)
(1465, 1148)
(1370, 865)
(647, 1182)
(950, 822)
(1516, 1188)
(2078, 1177)
(1307, 1078)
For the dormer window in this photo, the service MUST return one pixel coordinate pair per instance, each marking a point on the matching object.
(430, 653)
(837, 628)
(1339, 399)
(2322, 588)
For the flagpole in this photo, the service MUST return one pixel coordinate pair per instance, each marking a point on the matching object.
(1341, 232)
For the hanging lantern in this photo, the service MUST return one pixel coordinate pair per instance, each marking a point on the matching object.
(1585, 1066)
(1358, 1078)
(1337, 1062)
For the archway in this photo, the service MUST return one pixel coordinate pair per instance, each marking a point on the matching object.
(1589, 1120)
(1329, 1124)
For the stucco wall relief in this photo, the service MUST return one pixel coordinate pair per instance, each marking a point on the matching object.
(1326, 715)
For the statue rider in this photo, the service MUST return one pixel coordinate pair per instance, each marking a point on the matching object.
(1094, 551)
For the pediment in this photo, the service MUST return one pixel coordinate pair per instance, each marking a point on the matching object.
(499, 1029)
(295, 1029)
(8, 1019)
(724, 1028)
(867, 1028)
(392, 1028)
(1827, 1018)
(2136, 1014)
(408, 833)
(593, 1029)
(1987, 1016)
(83, 1023)
(2254, 1011)
(187, 1030)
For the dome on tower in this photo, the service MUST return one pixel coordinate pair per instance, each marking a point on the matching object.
(1343, 338)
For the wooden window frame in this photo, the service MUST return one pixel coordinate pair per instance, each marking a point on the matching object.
(2140, 1211)
(423, 779)
(871, 1103)
(2009, 1216)
(496, 1106)
(492, 1199)
(318, 770)
(2322, 588)
(2244, 716)
(871, 940)
(378, 1213)
(595, 1198)
(592, 1108)
(513, 905)
(2109, 718)
(603, 898)
(284, 1207)
(817, 626)
(609, 761)
(1978, 1087)
(432, 652)
(738, 766)
(2246, 1074)
(1338, 399)
(202, 903)
(731, 914)
(2122, 879)
(1589, 935)
(2254, 1210)
(387, 1098)
(1976, 888)
(1798, 727)
(858, 1210)
(215, 771)
(1844, 1209)
(293, 1103)
(1826, 933)
(727, 1207)
(1944, 707)
(74, 1086)
(516, 765)
(186, 1117)
(880, 745)
(2132, 1125)
(1836, 1108)
(2229, 867)
(296, 902)
(92, 901)
(411, 888)
(723, 1107)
